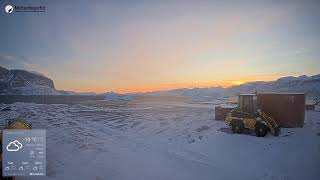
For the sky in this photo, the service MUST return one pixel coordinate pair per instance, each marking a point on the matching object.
(139, 46)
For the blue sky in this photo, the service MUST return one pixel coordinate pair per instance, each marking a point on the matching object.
(130, 46)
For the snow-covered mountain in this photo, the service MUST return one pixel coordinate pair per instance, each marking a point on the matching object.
(63, 92)
(302, 84)
(23, 82)
(111, 96)
(196, 94)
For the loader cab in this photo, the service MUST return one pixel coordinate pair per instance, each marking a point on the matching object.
(248, 103)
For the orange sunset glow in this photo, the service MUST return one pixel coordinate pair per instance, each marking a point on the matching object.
(156, 46)
(134, 88)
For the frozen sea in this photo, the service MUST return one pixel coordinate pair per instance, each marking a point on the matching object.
(165, 140)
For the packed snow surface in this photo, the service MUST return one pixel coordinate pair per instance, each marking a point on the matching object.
(165, 141)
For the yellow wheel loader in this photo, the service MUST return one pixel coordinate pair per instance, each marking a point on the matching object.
(248, 116)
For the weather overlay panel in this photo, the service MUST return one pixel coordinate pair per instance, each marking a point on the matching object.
(24, 153)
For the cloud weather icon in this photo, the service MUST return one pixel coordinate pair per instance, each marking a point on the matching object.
(14, 146)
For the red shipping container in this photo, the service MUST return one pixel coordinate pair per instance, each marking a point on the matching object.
(288, 109)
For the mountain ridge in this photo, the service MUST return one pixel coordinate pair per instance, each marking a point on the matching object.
(22, 82)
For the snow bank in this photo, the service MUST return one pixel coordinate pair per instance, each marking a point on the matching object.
(157, 140)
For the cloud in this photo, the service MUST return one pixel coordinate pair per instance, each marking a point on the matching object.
(9, 58)
(18, 143)
(14, 146)
(14, 62)
(150, 45)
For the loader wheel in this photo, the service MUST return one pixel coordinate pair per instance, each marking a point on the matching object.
(277, 131)
(261, 130)
(237, 127)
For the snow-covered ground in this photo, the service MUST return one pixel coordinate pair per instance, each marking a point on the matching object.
(165, 140)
